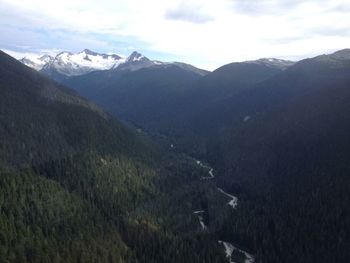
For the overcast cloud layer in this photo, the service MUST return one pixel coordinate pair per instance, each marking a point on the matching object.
(205, 33)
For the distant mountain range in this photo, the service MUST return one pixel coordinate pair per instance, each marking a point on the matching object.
(72, 64)
(67, 64)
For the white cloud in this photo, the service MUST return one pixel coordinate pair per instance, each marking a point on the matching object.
(189, 12)
(205, 33)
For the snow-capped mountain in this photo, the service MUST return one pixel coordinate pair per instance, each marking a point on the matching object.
(273, 62)
(135, 62)
(138, 61)
(37, 63)
(74, 64)
(67, 64)
(136, 57)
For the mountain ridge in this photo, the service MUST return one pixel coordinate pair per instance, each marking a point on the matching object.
(68, 64)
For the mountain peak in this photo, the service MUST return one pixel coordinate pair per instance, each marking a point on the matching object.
(136, 56)
(273, 62)
(134, 62)
(89, 52)
(45, 57)
(38, 62)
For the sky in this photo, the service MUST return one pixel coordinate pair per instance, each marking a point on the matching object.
(205, 33)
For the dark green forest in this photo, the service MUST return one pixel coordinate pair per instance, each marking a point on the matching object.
(77, 186)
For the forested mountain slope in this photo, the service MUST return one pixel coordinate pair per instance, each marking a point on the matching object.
(305, 77)
(42, 120)
(49, 138)
(77, 186)
(205, 112)
(289, 162)
(144, 97)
